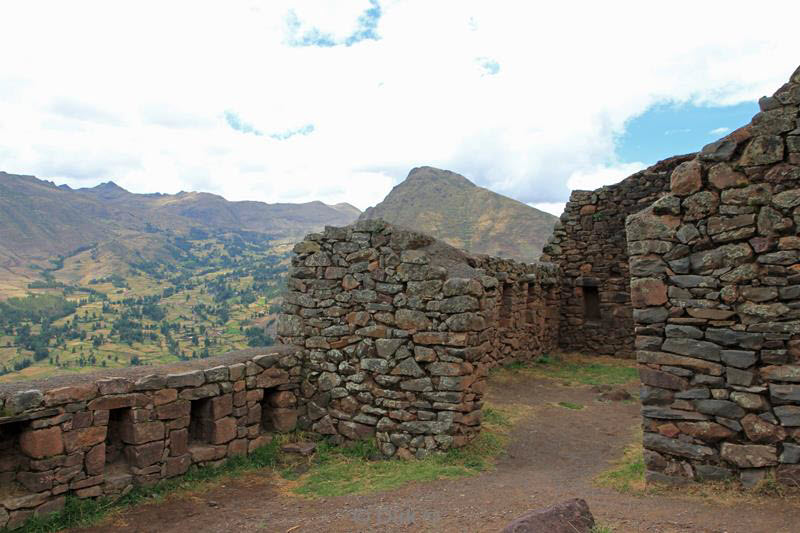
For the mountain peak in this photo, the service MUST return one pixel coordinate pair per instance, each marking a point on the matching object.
(426, 173)
(108, 186)
(108, 190)
(451, 208)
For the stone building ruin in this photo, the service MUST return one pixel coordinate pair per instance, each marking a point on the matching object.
(693, 265)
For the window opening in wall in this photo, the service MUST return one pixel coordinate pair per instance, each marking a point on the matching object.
(201, 425)
(591, 303)
(506, 300)
(10, 458)
(9, 436)
(267, 422)
(115, 445)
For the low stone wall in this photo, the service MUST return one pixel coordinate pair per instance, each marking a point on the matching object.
(92, 436)
(716, 288)
(400, 330)
(589, 245)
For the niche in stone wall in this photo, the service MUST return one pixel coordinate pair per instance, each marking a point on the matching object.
(201, 423)
(267, 422)
(119, 421)
(591, 304)
(506, 304)
(10, 456)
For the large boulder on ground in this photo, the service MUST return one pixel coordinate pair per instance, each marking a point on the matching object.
(571, 516)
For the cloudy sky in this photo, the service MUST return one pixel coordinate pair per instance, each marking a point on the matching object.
(337, 100)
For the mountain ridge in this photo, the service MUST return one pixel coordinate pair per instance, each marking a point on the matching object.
(41, 222)
(450, 207)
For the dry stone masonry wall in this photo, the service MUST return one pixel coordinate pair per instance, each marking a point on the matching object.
(399, 332)
(715, 285)
(94, 437)
(588, 243)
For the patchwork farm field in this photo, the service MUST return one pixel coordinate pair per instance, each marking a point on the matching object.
(219, 293)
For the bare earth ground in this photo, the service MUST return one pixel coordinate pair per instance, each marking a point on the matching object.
(553, 456)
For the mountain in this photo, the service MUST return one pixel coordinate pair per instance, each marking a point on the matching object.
(42, 224)
(449, 207)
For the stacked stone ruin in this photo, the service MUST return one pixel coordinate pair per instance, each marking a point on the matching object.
(715, 283)
(101, 436)
(390, 334)
(589, 245)
(400, 331)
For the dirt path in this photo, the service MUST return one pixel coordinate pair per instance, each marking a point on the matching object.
(553, 456)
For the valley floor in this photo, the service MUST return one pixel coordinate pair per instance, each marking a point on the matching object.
(554, 454)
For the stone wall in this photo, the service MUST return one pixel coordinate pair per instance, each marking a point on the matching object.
(588, 243)
(399, 332)
(716, 288)
(91, 436)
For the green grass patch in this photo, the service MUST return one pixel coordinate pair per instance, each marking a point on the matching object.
(84, 513)
(575, 370)
(627, 475)
(349, 470)
(571, 405)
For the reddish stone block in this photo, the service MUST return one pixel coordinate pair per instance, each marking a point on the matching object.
(160, 397)
(223, 430)
(648, 292)
(114, 386)
(171, 411)
(202, 453)
(272, 377)
(87, 482)
(239, 398)
(78, 439)
(145, 455)
(255, 395)
(67, 474)
(253, 415)
(177, 466)
(25, 502)
(237, 448)
(100, 418)
(221, 406)
(74, 459)
(89, 492)
(36, 481)
(54, 505)
(258, 442)
(283, 420)
(82, 419)
(18, 518)
(178, 423)
(118, 401)
(142, 432)
(179, 442)
(686, 178)
(42, 443)
(75, 393)
(96, 459)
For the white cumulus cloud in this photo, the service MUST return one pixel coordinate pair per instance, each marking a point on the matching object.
(337, 102)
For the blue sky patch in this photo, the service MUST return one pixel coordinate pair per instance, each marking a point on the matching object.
(283, 135)
(236, 123)
(665, 130)
(366, 29)
(490, 67)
